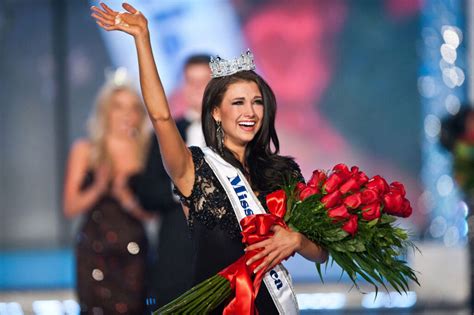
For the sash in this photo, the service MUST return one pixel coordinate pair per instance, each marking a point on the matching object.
(245, 203)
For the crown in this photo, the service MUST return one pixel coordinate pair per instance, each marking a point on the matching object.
(221, 67)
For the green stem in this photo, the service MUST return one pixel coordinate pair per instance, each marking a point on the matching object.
(189, 295)
(214, 296)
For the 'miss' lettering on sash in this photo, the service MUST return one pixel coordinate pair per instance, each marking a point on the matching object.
(242, 193)
(245, 203)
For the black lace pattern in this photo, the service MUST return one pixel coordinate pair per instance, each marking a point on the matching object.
(208, 202)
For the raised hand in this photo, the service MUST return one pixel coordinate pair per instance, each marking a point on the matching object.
(132, 21)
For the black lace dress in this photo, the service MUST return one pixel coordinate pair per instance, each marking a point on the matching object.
(111, 250)
(215, 230)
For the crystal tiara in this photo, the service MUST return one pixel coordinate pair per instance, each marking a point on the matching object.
(221, 67)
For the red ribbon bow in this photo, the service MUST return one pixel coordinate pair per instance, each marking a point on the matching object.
(255, 228)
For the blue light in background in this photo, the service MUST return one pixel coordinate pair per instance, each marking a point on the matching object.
(442, 89)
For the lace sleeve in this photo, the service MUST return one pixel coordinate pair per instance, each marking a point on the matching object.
(208, 201)
(295, 172)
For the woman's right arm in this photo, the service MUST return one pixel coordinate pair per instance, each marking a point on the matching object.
(75, 200)
(177, 158)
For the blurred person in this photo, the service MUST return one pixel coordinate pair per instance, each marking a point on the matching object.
(111, 246)
(171, 274)
(457, 136)
(197, 75)
(239, 111)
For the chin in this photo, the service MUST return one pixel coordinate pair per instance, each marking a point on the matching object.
(246, 140)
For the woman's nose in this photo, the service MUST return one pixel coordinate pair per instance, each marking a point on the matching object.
(249, 110)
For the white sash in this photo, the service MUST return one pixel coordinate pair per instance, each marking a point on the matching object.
(244, 202)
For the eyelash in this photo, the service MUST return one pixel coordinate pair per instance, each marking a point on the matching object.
(259, 102)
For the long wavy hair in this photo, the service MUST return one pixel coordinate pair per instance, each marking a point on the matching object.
(98, 125)
(263, 166)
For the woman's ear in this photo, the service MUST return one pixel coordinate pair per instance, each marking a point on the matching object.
(216, 114)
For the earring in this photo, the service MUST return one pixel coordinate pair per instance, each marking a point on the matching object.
(220, 137)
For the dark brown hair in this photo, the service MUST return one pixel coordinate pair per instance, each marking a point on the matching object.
(263, 166)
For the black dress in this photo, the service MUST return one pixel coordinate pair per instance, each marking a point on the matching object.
(215, 230)
(111, 250)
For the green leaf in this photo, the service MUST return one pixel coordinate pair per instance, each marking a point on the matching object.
(318, 268)
(373, 222)
(385, 218)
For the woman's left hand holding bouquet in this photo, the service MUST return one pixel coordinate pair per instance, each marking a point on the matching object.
(282, 244)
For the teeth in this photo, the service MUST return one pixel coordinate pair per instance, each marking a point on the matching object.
(247, 123)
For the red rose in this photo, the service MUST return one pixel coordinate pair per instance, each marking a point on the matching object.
(371, 211)
(333, 182)
(317, 179)
(393, 203)
(351, 225)
(406, 209)
(362, 179)
(339, 213)
(300, 186)
(369, 196)
(353, 201)
(354, 170)
(333, 199)
(350, 186)
(342, 170)
(398, 187)
(307, 192)
(379, 184)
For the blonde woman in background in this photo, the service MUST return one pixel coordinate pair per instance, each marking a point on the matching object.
(111, 246)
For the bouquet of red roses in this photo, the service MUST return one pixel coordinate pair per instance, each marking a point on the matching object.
(352, 217)
(344, 211)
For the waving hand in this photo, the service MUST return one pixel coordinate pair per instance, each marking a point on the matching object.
(132, 21)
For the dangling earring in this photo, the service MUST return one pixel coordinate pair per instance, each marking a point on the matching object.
(220, 137)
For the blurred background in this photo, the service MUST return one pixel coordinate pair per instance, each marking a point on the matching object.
(364, 82)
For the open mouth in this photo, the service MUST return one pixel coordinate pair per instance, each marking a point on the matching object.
(248, 124)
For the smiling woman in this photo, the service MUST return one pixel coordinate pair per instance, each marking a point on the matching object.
(241, 114)
(239, 127)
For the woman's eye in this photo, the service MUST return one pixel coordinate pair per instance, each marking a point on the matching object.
(237, 103)
(260, 102)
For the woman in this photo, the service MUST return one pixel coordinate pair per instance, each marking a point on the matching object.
(111, 245)
(238, 123)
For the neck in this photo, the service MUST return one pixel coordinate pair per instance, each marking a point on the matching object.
(239, 152)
